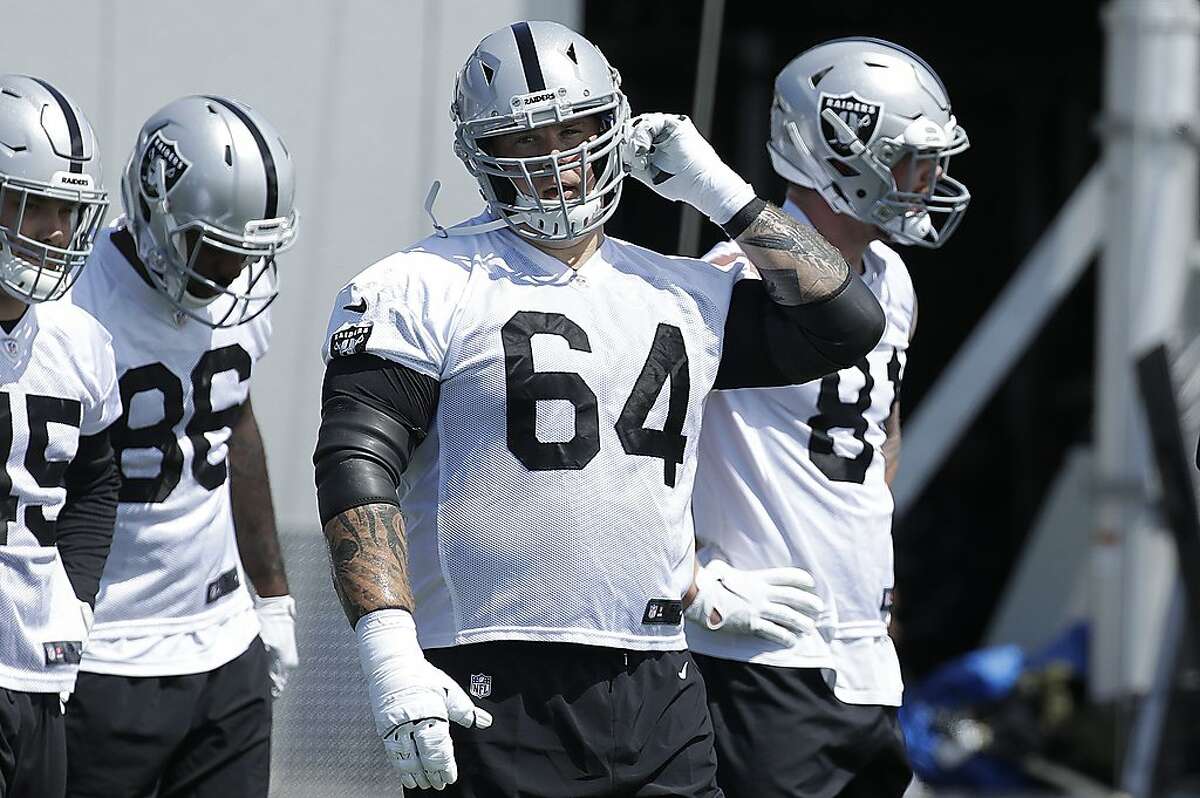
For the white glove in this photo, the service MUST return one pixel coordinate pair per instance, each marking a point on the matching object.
(669, 155)
(277, 617)
(776, 604)
(412, 700)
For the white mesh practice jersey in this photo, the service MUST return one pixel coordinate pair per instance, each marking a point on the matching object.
(173, 599)
(550, 499)
(58, 381)
(794, 476)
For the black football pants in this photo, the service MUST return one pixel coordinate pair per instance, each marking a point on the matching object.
(782, 732)
(204, 735)
(33, 750)
(575, 721)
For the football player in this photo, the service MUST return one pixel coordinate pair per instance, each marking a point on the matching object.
(534, 388)
(177, 679)
(58, 399)
(797, 477)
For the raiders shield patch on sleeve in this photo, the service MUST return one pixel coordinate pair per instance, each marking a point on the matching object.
(351, 340)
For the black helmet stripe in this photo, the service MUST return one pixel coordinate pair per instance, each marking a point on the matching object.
(529, 57)
(72, 125)
(264, 150)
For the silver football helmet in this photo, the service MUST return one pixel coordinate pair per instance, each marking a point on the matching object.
(525, 76)
(48, 153)
(850, 116)
(211, 172)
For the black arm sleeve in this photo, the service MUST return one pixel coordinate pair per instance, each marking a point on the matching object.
(374, 413)
(768, 344)
(85, 523)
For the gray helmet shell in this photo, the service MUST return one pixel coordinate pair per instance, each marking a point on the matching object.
(528, 75)
(210, 171)
(846, 112)
(48, 151)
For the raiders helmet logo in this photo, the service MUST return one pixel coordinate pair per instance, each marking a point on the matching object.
(862, 117)
(161, 154)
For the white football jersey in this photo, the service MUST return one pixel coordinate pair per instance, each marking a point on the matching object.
(58, 381)
(550, 499)
(794, 476)
(173, 599)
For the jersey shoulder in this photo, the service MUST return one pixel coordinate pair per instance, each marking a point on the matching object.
(688, 272)
(896, 278)
(404, 307)
(72, 323)
(76, 343)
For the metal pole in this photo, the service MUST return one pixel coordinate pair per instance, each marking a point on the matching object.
(703, 102)
(1151, 98)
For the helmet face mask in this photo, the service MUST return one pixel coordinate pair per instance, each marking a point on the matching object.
(53, 166)
(494, 97)
(184, 273)
(32, 270)
(194, 191)
(852, 116)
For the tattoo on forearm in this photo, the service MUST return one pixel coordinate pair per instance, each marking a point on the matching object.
(796, 263)
(369, 555)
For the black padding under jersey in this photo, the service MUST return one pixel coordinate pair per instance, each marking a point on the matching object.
(374, 413)
(84, 527)
(768, 344)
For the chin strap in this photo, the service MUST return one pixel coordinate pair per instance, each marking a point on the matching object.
(463, 229)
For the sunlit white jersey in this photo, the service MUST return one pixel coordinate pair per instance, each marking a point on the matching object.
(58, 381)
(550, 500)
(795, 476)
(173, 599)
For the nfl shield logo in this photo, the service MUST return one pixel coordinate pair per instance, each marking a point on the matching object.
(481, 685)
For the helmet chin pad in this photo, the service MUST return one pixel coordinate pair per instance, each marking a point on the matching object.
(193, 302)
(553, 223)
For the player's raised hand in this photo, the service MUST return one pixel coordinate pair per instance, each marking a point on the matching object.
(776, 604)
(413, 701)
(668, 154)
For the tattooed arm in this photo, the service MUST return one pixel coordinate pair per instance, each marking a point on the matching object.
(797, 264)
(374, 413)
(808, 316)
(369, 555)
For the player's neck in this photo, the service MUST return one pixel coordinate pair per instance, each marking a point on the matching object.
(575, 253)
(849, 235)
(123, 240)
(11, 309)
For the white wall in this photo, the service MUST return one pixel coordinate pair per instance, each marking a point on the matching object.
(360, 91)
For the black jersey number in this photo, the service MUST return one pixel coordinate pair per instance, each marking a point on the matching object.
(41, 411)
(155, 377)
(667, 360)
(833, 413)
